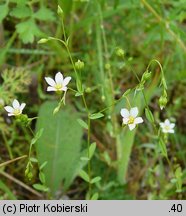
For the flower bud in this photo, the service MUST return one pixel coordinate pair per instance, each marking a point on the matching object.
(23, 118)
(79, 65)
(107, 66)
(146, 76)
(43, 40)
(162, 101)
(59, 11)
(120, 52)
(56, 110)
(103, 98)
(88, 90)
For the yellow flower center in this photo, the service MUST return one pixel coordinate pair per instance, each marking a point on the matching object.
(17, 112)
(131, 120)
(58, 87)
(167, 128)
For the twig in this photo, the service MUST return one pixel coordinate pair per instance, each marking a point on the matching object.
(13, 160)
(20, 183)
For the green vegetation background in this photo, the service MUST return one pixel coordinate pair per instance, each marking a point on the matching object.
(146, 30)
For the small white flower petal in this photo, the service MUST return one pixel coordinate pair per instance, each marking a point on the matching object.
(59, 78)
(162, 124)
(124, 113)
(172, 125)
(64, 88)
(125, 120)
(22, 106)
(66, 81)
(138, 120)
(134, 112)
(9, 109)
(11, 114)
(171, 131)
(16, 104)
(132, 126)
(50, 81)
(167, 122)
(50, 88)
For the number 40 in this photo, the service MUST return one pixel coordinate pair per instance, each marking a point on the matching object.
(177, 208)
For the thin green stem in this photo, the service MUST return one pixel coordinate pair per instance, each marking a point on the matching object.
(128, 102)
(30, 148)
(7, 146)
(89, 161)
(84, 102)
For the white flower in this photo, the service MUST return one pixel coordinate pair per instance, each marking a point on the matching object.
(59, 84)
(167, 126)
(16, 108)
(130, 117)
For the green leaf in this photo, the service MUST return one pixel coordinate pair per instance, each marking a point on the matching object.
(149, 115)
(92, 149)
(96, 115)
(41, 187)
(42, 177)
(82, 123)
(43, 165)
(34, 160)
(60, 145)
(44, 14)
(84, 158)
(84, 175)
(3, 11)
(6, 189)
(27, 30)
(37, 136)
(78, 94)
(95, 196)
(96, 179)
(21, 11)
(163, 147)
(126, 93)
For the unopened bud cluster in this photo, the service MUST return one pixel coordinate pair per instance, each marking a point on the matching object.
(79, 65)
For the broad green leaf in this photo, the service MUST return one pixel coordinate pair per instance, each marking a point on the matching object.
(84, 158)
(84, 175)
(60, 145)
(126, 138)
(82, 123)
(96, 115)
(27, 30)
(96, 179)
(21, 12)
(3, 11)
(44, 14)
(149, 115)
